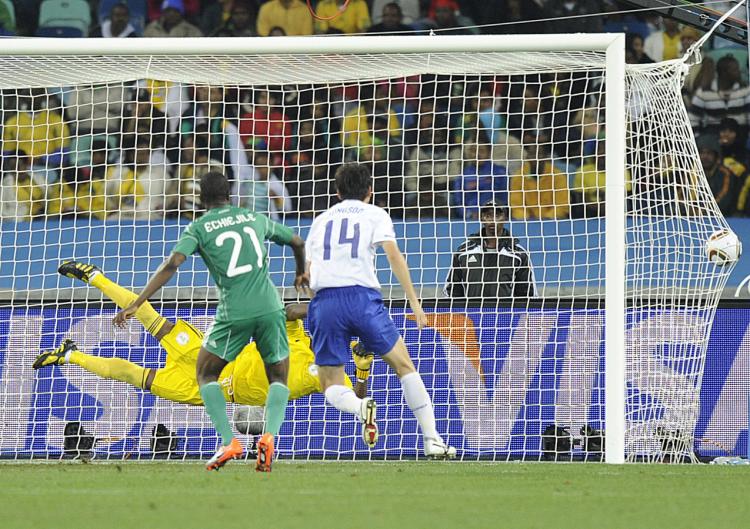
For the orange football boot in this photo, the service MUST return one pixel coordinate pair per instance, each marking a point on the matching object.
(225, 454)
(265, 453)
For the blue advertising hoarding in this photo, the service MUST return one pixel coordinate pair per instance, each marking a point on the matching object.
(565, 254)
(498, 377)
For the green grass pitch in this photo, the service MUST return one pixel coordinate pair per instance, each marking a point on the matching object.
(409, 495)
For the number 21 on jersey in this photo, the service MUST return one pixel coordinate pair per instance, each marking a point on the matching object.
(343, 238)
(235, 268)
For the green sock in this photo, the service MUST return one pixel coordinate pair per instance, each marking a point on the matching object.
(216, 407)
(278, 396)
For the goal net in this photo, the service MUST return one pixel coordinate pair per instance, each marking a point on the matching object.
(556, 339)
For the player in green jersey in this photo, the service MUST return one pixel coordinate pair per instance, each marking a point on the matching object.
(230, 241)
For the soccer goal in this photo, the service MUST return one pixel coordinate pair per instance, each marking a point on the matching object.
(599, 358)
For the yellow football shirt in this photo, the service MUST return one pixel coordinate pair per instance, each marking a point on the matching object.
(36, 133)
(294, 20)
(243, 380)
(354, 19)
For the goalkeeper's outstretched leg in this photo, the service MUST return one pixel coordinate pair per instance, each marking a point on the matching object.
(112, 368)
(157, 325)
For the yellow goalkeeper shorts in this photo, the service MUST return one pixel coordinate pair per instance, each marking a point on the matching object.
(249, 382)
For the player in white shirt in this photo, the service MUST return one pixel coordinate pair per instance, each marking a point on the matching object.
(341, 263)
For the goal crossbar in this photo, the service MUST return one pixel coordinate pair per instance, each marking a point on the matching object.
(349, 45)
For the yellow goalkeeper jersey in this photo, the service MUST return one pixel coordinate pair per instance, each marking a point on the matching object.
(243, 380)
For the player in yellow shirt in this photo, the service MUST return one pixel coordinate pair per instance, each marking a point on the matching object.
(176, 381)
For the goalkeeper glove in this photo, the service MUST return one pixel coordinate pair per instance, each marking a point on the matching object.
(362, 359)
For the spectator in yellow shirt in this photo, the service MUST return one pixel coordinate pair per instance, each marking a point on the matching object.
(734, 153)
(83, 191)
(39, 131)
(292, 16)
(358, 127)
(539, 190)
(587, 193)
(666, 44)
(354, 19)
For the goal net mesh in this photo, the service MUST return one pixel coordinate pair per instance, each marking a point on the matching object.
(101, 157)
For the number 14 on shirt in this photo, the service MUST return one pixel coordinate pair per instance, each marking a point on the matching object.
(344, 238)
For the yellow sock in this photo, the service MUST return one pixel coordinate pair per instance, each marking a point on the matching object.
(114, 368)
(123, 297)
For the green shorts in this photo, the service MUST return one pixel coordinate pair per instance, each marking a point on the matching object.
(226, 339)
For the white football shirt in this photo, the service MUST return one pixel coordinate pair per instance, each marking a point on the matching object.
(342, 243)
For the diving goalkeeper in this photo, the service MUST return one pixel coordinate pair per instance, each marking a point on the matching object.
(176, 381)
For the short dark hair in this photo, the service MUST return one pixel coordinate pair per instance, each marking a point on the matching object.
(630, 39)
(241, 5)
(494, 209)
(394, 4)
(725, 60)
(729, 123)
(120, 5)
(708, 141)
(214, 188)
(353, 181)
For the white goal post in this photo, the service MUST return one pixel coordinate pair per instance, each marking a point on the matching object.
(616, 337)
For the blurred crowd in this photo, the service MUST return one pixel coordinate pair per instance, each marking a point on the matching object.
(240, 18)
(437, 145)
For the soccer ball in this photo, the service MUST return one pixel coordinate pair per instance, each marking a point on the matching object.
(723, 247)
(248, 419)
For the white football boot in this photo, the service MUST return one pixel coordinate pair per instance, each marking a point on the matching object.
(437, 449)
(369, 427)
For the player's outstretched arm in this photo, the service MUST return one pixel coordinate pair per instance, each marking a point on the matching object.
(302, 281)
(401, 270)
(158, 280)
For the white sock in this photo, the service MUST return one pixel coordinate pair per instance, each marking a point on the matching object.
(419, 401)
(344, 399)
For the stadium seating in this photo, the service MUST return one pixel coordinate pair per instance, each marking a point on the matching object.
(65, 14)
(59, 32)
(8, 6)
(80, 148)
(629, 26)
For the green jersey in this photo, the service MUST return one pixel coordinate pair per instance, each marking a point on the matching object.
(231, 242)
